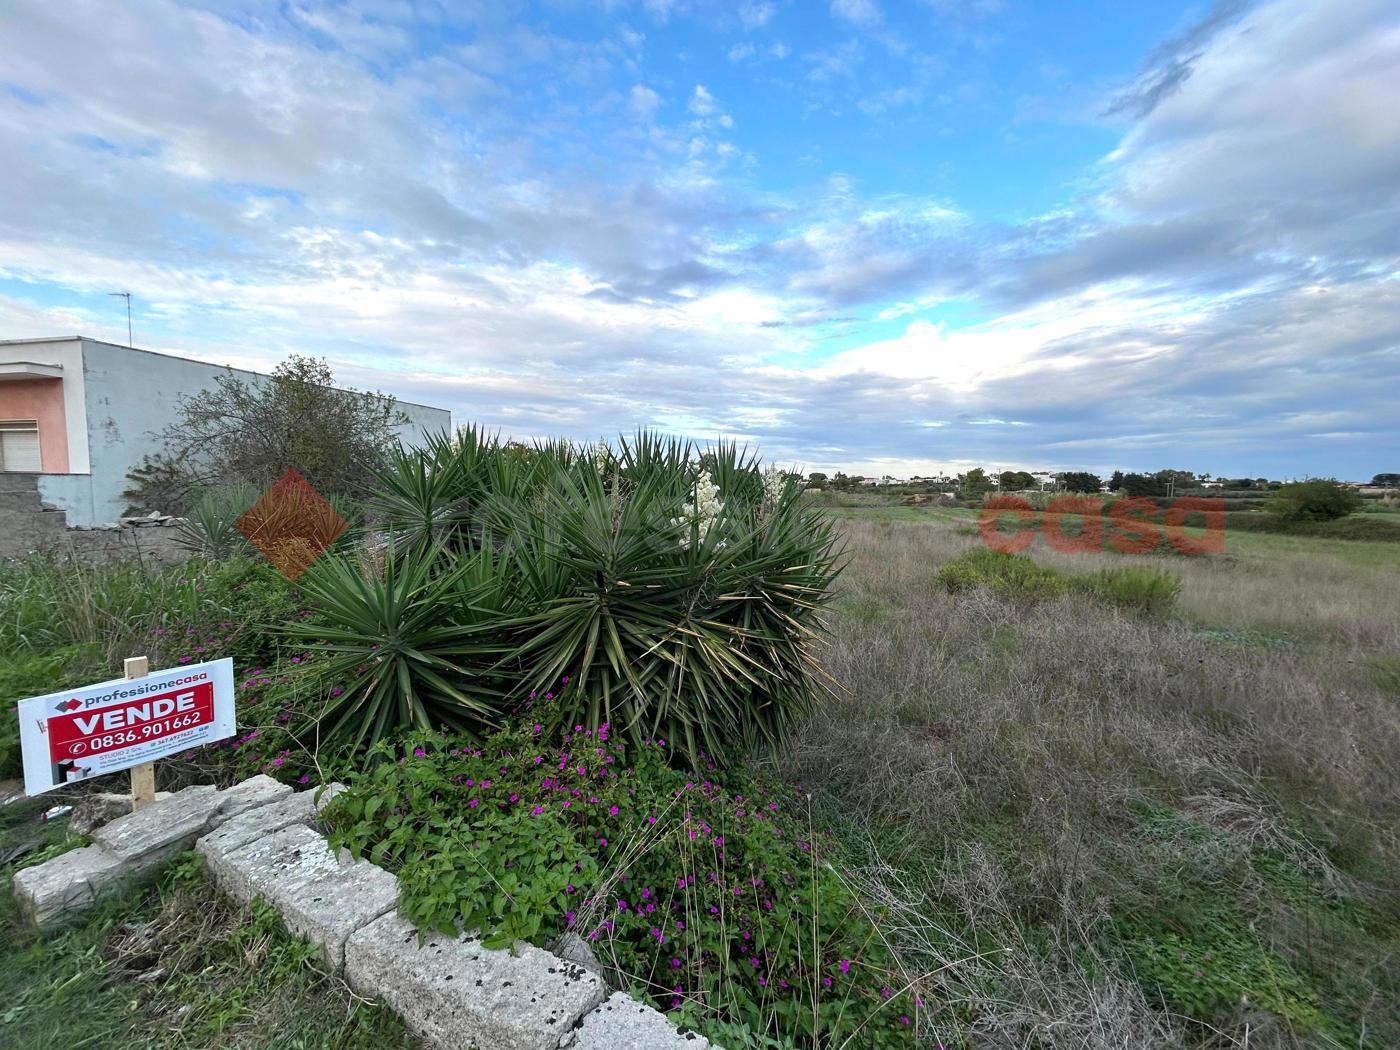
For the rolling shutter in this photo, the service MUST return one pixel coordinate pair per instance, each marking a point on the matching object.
(19, 447)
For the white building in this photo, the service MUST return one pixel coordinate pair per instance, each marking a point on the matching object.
(81, 413)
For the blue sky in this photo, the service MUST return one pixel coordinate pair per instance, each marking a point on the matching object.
(876, 236)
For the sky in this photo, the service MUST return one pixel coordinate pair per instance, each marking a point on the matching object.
(877, 236)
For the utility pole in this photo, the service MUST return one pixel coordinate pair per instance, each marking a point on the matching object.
(127, 297)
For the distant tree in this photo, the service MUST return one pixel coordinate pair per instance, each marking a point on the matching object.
(1015, 480)
(1175, 481)
(1386, 481)
(1116, 481)
(974, 483)
(1081, 481)
(817, 480)
(1144, 485)
(1318, 499)
(254, 431)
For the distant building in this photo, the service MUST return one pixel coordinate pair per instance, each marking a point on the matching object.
(81, 413)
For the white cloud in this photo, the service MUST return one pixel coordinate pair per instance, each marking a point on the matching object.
(643, 102)
(702, 103)
(860, 12)
(754, 14)
(1227, 289)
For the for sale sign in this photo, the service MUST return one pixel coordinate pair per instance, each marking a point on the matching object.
(113, 726)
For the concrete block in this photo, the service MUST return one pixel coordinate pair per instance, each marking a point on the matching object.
(321, 896)
(622, 1023)
(163, 828)
(250, 794)
(300, 807)
(48, 892)
(453, 993)
(570, 947)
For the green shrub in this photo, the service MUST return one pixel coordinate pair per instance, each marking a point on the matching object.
(719, 906)
(210, 528)
(1148, 590)
(410, 642)
(679, 594)
(1361, 527)
(1010, 575)
(1017, 576)
(1318, 499)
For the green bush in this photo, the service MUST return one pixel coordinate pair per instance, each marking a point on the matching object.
(679, 593)
(210, 528)
(718, 906)
(1148, 590)
(1318, 499)
(1018, 577)
(1009, 575)
(1359, 527)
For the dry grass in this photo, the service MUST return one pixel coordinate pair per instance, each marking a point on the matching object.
(1012, 746)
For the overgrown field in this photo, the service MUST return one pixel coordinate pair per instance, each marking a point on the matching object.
(1072, 800)
(1104, 825)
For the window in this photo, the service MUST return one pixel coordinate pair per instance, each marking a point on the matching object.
(19, 446)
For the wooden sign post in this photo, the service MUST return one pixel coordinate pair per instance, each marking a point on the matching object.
(143, 777)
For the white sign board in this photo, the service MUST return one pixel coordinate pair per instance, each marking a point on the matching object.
(113, 726)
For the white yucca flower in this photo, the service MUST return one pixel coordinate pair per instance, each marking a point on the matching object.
(774, 484)
(704, 512)
(602, 456)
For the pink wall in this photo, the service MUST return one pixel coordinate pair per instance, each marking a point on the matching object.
(40, 399)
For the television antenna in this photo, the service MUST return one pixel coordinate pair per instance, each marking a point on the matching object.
(127, 297)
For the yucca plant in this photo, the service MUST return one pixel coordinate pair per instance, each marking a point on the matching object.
(210, 529)
(678, 590)
(411, 637)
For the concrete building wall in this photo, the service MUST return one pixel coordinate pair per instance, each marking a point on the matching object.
(117, 401)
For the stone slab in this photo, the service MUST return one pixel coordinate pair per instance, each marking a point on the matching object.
(71, 881)
(300, 807)
(321, 896)
(250, 794)
(453, 993)
(622, 1023)
(164, 827)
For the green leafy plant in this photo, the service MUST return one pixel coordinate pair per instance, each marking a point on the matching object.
(411, 641)
(210, 527)
(679, 588)
(1318, 499)
(1010, 575)
(1147, 590)
(720, 906)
